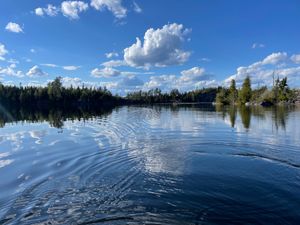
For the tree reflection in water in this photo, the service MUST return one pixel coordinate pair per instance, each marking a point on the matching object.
(278, 114)
(54, 116)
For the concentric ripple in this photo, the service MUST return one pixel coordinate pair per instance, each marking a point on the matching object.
(186, 164)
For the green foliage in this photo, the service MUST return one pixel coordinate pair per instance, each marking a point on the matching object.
(246, 91)
(257, 94)
(156, 96)
(227, 96)
(56, 95)
(279, 93)
(55, 89)
(222, 97)
(281, 90)
(233, 93)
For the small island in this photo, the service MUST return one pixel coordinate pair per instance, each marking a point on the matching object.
(279, 94)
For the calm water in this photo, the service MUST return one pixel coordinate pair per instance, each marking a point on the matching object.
(152, 165)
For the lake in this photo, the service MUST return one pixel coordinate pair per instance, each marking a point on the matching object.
(185, 164)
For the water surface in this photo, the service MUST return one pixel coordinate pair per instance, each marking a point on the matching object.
(191, 164)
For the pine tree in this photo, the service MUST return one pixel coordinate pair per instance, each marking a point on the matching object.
(233, 93)
(246, 91)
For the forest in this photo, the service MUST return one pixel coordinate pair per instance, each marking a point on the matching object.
(55, 94)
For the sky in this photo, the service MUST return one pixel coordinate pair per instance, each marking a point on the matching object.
(128, 45)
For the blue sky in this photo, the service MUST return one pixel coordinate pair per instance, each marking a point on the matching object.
(181, 44)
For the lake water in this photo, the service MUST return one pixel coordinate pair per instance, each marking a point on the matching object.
(190, 164)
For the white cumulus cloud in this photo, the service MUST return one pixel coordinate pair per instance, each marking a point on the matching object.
(193, 74)
(36, 72)
(164, 82)
(10, 71)
(14, 27)
(105, 72)
(39, 11)
(71, 9)
(161, 47)
(49, 11)
(71, 81)
(115, 6)
(114, 63)
(188, 80)
(262, 72)
(296, 58)
(275, 58)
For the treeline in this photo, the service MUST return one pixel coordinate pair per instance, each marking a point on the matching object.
(57, 95)
(174, 96)
(280, 93)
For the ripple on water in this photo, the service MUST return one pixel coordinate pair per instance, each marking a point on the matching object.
(151, 165)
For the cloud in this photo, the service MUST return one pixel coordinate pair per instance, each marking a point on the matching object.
(161, 47)
(39, 11)
(3, 51)
(111, 55)
(13, 61)
(257, 45)
(274, 58)
(296, 58)
(115, 6)
(128, 83)
(32, 50)
(50, 65)
(131, 81)
(71, 68)
(193, 74)
(10, 71)
(262, 72)
(13, 65)
(164, 82)
(71, 9)
(137, 8)
(49, 11)
(13, 27)
(27, 59)
(114, 63)
(72, 81)
(36, 72)
(207, 83)
(189, 80)
(106, 72)
(205, 59)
